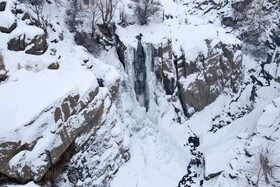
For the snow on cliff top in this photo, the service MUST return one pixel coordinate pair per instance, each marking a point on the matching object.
(184, 35)
(30, 93)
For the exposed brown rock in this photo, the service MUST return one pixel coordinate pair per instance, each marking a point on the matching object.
(17, 43)
(221, 68)
(54, 66)
(39, 45)
(8, 29)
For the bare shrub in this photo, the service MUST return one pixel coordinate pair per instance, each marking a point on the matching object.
(3, 71)
(90, 43)
(72, 15)
(266, 167)
(36, 7)
(145, 9)
(107, 10)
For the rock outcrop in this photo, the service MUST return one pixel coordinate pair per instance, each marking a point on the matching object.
(166, 70)
(17, 43)
(38, 45)
(204, 78)
(72, 120)
(32, 43)
(8, 20)
(2, 5)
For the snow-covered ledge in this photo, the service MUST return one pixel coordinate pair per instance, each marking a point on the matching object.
(61, 104)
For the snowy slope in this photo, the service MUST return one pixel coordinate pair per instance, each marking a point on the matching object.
(30, 93)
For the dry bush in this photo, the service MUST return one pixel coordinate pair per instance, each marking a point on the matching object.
(145, 9)
(3, 71)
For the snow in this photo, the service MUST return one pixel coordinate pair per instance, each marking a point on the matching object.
(102, 70)
(220, 155)
(156, 141)
(29, 31)
(30, 93)
(7, 19)
(154, 162)
(30, 184)
(183, 36)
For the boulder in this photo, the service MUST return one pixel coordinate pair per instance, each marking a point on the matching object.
(53, 66)
(2, 5)
(7, 22)
(34, 43)
(17, 43)
(38, 45)
(3, 76)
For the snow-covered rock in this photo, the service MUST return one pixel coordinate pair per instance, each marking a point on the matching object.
(61, 106)
(30, 39)
(205, 77)
(8, 21)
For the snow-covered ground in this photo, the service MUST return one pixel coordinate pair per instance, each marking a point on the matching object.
(157, 142)
(28, 94)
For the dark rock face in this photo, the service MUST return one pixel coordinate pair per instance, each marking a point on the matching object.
(120, 47)
(53, 66)
(17, 44)
(228, 21)
(140, 73)
(8, 29)
(76, 120)
(208, 75)
(2, 5)
(194, 140)
(166, 69)
(38, 45)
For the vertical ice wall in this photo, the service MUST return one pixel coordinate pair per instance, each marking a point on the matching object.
(140, 71)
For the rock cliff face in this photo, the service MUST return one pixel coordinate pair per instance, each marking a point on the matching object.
(165, 70)
(209, 74)
(202, 79)
(72, 121)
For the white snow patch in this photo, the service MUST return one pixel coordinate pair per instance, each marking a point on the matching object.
(30, 93)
